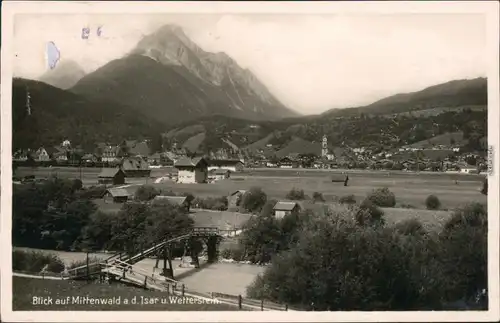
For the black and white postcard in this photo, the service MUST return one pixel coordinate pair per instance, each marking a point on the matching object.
(250, 161)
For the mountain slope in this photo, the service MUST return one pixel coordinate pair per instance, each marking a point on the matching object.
(457, 93)
(466, 113)
(170, 78)
(57, 115)
(64, 76)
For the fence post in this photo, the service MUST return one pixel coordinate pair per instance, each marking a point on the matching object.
(146, 282)
(262, 304)
(286, 307)
(183, 289)
(240, 302)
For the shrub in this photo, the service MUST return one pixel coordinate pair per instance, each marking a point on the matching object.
(432, 202)
(318, 197)
(77, 184)
(296, 194)
(369, 214)
(36, 261)
(347, 199)
(226, 253)
(484, 190)
(410, 227)
(382, 197)
(253, 200)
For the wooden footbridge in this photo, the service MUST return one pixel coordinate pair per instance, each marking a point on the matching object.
(120, 266)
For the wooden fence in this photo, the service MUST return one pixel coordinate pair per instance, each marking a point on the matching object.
(253, 303)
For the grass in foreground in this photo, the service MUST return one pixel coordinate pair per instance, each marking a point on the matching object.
(25, 289)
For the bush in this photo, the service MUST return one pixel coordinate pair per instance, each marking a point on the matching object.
(347, 199)
(318, 197)
(226, 253)
(253, 200)
(36, 261)
(432, 202)
(369, 214)
(410, 227)
(382, 197)
(146, 193)
(296, 194)
(484, 189)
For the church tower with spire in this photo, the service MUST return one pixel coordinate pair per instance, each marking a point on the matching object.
(324, 147)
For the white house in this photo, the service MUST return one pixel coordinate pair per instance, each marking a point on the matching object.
(191, 170)
(42, 155)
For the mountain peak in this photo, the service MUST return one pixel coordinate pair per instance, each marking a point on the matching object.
(64, 76)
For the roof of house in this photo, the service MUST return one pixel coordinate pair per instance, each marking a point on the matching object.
(188, 162)
(119, 192)
(134, 163)
(108, 172)
(285, 206)
(238, 192)
(176, 200)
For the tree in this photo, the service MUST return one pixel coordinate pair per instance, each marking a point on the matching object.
(253, 200)
(261, 234)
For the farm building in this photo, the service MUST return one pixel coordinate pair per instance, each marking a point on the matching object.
(234, 197)
(135, 167)
(339, 178)
(282, 209)
(181, 201)
(113, 176)
(232, 165)
(193, 170)
(117, 195)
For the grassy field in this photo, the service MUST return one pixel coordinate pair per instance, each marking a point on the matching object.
(453, 189)
(25, 289)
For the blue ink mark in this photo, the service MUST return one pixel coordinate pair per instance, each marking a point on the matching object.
(85, 33)
(53, 55)
(99, 31)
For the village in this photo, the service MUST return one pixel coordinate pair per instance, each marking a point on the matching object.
(136, 158)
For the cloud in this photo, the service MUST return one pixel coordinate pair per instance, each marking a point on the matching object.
(310, 63)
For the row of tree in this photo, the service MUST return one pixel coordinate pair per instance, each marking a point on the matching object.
(348, 259)
(59, 214)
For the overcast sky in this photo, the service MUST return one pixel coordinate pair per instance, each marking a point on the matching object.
(311, 63)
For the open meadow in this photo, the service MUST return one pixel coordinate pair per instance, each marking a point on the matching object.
(412, 189)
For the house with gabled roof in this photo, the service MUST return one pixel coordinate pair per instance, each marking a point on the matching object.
(135, 167)
(192, 170)
(117, 195)
(114, 176)
(284, 208)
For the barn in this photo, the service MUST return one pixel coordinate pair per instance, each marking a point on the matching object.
(180, 201)
(113, 176)
(117, 195)
(281, 209)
